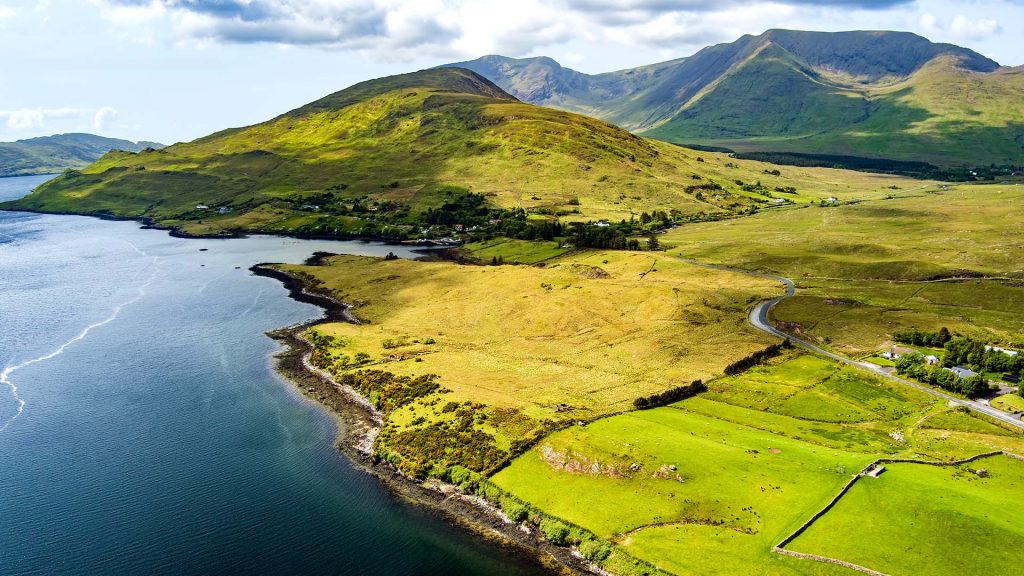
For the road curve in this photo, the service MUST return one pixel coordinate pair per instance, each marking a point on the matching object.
(758, 318)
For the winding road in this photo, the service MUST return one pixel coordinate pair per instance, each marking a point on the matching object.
(758, 318)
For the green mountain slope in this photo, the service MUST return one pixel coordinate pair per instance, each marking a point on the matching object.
(49, 154)
(375, 158)
(876, 94)
(544, 82)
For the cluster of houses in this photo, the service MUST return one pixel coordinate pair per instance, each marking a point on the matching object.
(897, 352)
(221, 210)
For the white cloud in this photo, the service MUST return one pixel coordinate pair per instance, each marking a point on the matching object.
(959, 27)
(130, 14)
(103, 118)
(403, 30)
(34, 118)
(24, 119)
(39, 120)
(967, 29)
(6, 11)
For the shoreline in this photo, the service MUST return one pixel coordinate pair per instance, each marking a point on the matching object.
(358, 424)
(147, 223)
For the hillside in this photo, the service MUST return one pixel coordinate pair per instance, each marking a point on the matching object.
(49, 154)
(544, 82)
(376, 158)
(890, 95)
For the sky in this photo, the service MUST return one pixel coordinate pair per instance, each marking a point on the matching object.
(175, 70)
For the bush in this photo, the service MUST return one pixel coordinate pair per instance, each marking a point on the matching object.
(515, 510)
(669, 396)
(489, 492)
(554, 531)
(595, 550)
(756, 358)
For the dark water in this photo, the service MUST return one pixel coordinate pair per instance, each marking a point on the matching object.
(144, 431)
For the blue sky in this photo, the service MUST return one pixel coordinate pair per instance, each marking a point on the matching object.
(174, 70)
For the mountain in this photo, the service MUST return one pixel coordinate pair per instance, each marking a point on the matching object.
(49, 154)
(544, 82)
(402, 144)
(874, 94)
(394, 157)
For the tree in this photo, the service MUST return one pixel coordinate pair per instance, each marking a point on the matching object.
(653, 244)
(972, 386)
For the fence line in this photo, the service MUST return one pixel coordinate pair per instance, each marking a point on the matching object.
(780, 547)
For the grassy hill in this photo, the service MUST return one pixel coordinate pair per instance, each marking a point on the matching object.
(373, 159)
(50, 154)
(891, 95)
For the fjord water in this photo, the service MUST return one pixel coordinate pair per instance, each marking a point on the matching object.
(145, 431)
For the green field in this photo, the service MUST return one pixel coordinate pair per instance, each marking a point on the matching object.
(529, 348)
(866, 270)
(755, 456)
(1009, 403)
(735, 489)
(917, 520)
(513, 251)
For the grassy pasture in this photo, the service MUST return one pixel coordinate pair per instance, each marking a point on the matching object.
(929, 521)
(860, 316)
(520, 350)
(1009, 403)
(593, 330)
(755, 455)
(513, 251)
(734, 492)
(863, 270)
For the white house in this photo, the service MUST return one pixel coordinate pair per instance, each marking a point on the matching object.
(931, 359)
(1006, 351)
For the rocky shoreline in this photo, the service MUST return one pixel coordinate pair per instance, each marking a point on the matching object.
(358, 424)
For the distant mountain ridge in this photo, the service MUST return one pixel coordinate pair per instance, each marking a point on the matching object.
(50, 154)
(864, 93)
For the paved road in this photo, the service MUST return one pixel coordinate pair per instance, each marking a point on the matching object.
(758, 318)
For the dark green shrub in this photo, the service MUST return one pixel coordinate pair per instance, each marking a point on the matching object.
(515, 510)
(595, 550)
(555, 532)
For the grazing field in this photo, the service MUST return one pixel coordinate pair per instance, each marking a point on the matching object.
(513, 251)
(868, 269)
(1009, 403)
(594, 330)
(527, 348)
(735, 490)
(755, 456)
(918, 520)
(858, 317)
